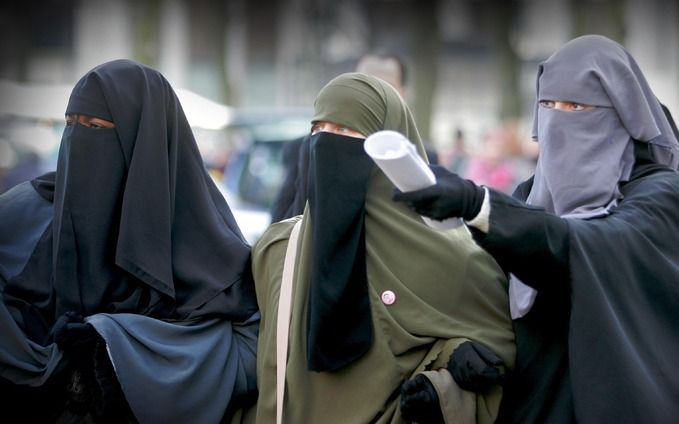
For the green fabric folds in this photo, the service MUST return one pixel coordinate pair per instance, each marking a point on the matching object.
(447, 289)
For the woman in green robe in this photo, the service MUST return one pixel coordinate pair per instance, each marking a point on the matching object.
(377, 295)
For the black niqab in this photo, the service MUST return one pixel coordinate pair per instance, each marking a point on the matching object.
(339, 324)
(139, 225)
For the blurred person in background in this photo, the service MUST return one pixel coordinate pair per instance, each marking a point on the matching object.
(392, 69)
(456, 157)
(590, 242)
(26, 149)
(126, 292)
(493, 165)
(376, 298)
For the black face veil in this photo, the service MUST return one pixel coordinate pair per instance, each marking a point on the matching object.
(139, 225)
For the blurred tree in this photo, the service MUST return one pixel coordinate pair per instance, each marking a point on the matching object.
(503, 14)
(605, 17)
(410, 29)
(15, 37)
(426, 45)
(208, 50)
(145, 25)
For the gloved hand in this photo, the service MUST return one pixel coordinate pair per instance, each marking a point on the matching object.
(420, 402)
(71, 332)
(451, 196)
(476, 368)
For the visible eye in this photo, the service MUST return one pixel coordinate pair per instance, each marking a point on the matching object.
(315, 129)
(576, 107)
(70, 119)
(343, 129)
(549, 104)
(97, 123)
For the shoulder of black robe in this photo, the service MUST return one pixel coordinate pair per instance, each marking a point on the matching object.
(523, 189)
(670, 119)
(172, 231)
(302, 181)
(283, 206)
(44, 185)
(25, 214)
(624, 337)
(26, 254)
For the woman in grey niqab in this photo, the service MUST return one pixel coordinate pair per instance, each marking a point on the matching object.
(594, 150)
(594, 245)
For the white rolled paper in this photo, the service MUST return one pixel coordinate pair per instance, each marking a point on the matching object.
(397, 157)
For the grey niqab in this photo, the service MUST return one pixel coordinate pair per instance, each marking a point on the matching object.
(584, 155)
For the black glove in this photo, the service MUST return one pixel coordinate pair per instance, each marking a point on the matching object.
(451, 196)
(71, 333)
(420, 402)
(476, 368)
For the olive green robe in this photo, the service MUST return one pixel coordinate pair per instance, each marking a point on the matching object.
(447, 290)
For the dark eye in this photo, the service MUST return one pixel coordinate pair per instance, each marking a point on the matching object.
(549, 104)
(95, 125)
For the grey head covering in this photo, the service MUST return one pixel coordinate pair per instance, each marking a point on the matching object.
(585, 155)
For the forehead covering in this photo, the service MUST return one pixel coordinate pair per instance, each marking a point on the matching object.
(366, 104)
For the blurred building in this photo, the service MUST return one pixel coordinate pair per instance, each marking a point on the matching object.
(471, 63)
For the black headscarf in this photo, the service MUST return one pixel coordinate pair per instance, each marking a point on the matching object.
(139, 226)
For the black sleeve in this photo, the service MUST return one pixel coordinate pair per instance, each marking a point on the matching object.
(525, 240)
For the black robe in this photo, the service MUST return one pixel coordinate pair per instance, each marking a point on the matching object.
(600, 342)
(130, 224)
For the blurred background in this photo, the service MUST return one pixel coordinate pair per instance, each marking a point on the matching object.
(247, 72)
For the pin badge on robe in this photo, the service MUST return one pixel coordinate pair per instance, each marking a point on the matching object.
(388, 297)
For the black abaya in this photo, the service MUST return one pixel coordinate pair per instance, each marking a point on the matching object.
(600, 342)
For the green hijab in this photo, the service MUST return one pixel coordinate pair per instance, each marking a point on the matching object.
(339, 324)
(444, 286)
(403, 255)
(366, 104)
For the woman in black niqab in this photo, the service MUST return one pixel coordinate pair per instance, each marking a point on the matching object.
(140, 243)
(139, 226)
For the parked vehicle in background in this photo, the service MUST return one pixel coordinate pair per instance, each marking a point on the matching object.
(31, 123)
(253, 172)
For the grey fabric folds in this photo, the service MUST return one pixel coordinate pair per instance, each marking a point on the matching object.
(596, 71)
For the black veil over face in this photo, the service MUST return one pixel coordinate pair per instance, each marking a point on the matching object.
(139, 225)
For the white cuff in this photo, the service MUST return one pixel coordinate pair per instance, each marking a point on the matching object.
(480, 221)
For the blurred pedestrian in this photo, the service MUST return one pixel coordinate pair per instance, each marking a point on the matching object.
(590, 243)
(377, 299)
(126, 288)
(391, 68)
(457, 157)
(493, 166)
